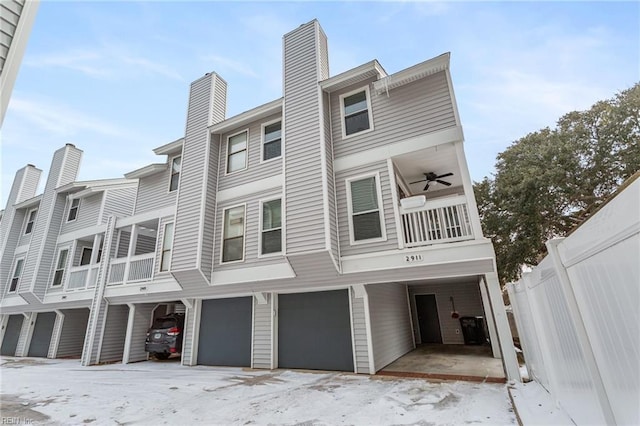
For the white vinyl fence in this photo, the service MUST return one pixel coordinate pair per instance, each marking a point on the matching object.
(578, 317)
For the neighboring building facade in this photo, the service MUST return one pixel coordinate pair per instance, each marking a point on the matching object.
(297, 234)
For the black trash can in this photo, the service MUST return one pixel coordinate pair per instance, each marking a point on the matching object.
(473, 330)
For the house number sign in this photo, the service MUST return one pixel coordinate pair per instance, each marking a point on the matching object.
(410, 258)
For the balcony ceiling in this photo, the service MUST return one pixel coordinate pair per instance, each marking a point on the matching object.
(439, 159)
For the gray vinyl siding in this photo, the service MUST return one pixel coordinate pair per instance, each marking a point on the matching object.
(303, 173)
(122, 249)
(145, 244)
(331, 187)
(262, 341)
(10, 11)
(208, 229)
(158, 249)
(115, 332)
(118, 202)
(141, 323)
(255, 169)
(64, 169)
(420, 107)
(346, 249)
(13, 234)
(188, 337)
(361, 347)
(390, 322)
(468, 302)
(19, 218)
(204, 110)
(88, 214)
(153, 192)
(77, 256)
(73, 333)
(251, 232)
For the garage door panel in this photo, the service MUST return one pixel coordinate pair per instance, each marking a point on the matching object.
(42, 331)
(314, 331)
(225, 332)
(11, 335)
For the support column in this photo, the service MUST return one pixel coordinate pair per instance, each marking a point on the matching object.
(509, 360)
(131, 252)
(55, 334)
(22, 349)
(491, 325)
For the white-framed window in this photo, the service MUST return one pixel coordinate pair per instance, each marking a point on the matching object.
(85, 256)
(31, 220)
(73, 210)
(167, 246)
(233, 234)
(355, 108)
(61, 266)
(176, 167)
(366, 216)
(237, 151)
(17, 273)
(271, 226)
(271, 140)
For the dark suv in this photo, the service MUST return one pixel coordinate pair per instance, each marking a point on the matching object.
(165, 336)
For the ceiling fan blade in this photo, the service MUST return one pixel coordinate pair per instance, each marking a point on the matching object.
(426, 186)
(418, 181)
(443, 182)
(444, 175)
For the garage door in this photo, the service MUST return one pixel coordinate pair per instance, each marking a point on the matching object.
(11, 335)
(225, 332)
(314, 331)
(41, 337)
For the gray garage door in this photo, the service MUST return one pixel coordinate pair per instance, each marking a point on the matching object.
(42, 334)
(11, 335)
(225, 332)
(314, 331)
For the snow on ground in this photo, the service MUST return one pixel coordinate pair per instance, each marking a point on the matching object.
(57, 391)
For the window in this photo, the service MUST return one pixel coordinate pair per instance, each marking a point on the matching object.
(15, 278)
(237, 152)
(271, 141)
(176, 165)
(167, 245)
(233, 238)
(85, 258)
(356, 112)
(366, 218)
(271, 235)
(31, 219)
(61, 265)
(73, 210)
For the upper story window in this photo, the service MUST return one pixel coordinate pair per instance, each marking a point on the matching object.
(237, 152)
(271, 231)
(176, 166)
(271, 141)
(356, 112)
(167, 246)
(233, 234)
(17, 273)
(31, 220)
(366, 218)
(73, 210)
(61, 265)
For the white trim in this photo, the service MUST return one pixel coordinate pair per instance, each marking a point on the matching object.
(277, 271)
(168, 211)
(352, 330)
(101, 338)
(55, 266)
(129, 333)
(26, 221)
(369, 112)
(274, 330)
(29, 202)
(410, 311)
(169, 148)
(244, 234)
(145, 171)
(260, 230)
(453, 97)
(255, 114)
(30, 318)
(62, 165)
(226, 154)
(253, 329)
(262, 141)
(84, 232)
(57, 333)
(323, 167)
(396, 199)
(162, 250)
(103, 204)
(246, 189)
(195, 331)
(365, 71)
(369, 332)
(381, 153)
(413, 73)
(14, 264)
(71, 201)
(381, 214)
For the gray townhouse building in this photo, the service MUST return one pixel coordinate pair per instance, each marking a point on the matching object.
(333, 228)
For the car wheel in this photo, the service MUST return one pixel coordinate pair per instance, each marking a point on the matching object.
(162, 355)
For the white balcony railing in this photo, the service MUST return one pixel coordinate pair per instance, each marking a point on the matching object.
(131, 269)
(82, 277)
(438, 221)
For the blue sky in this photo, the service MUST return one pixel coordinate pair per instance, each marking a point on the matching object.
(113, 78)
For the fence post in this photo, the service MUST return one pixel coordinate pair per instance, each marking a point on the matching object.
(581, 330)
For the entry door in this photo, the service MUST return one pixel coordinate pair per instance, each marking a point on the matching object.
(428, 318)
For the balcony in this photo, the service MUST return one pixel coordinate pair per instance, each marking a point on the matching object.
(132, 269)
(82, 277)
(442, 220)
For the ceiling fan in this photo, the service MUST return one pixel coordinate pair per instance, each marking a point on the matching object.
(432, 177)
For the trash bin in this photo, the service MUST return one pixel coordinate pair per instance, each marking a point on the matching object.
(473, 330)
